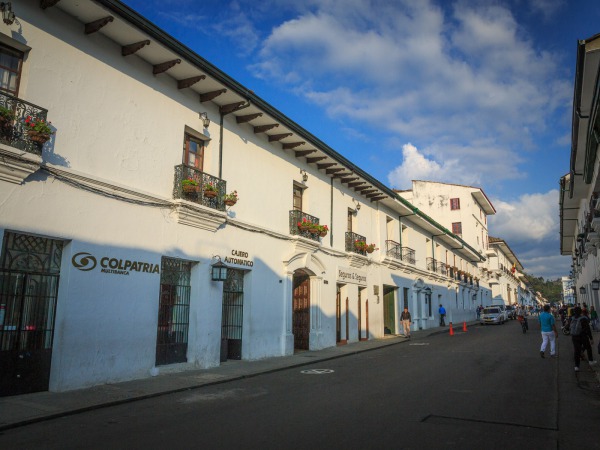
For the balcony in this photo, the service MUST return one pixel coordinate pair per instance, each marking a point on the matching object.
(298, 217)
(351, 238)
(12, 132)
(434, 265)
(395, 250)
(196, 194)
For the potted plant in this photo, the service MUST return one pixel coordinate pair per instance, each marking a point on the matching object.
(210, 190)
(38, 129)
(370, 248)
(323, 230)
(6, 116)
(360, 245)
(231, 198)
(304, 225)
(314, 228)
(189, 185)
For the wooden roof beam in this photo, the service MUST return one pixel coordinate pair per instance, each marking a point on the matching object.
(356, 184)
(208, 96)
(325, 165)
(376, 199)
(231, 107)
(130, 49)
(189, 82)
(315, 159)
(367, 191)
(264, 128)
(337, 169)
(373, 195)
(278, 137)
(291, 145)
(301, 153)
(163, 67)
(96, 25)
(340, 175)
(248, 117)
(348, 180)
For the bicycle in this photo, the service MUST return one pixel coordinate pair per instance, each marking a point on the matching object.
(524, 325)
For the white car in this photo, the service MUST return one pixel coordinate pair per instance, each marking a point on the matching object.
(492, 314)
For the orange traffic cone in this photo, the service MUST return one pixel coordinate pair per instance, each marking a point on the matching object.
(451, 330)
(465, 327)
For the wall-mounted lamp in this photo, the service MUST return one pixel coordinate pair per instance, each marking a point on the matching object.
(595, 284)
(205, 119)
(304, 175)
(218, 270)
(8, 16)
(357, 205)
(582, 290)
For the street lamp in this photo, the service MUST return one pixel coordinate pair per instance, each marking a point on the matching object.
(219, 270)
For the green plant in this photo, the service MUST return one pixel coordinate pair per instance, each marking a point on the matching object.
(361, 245)
(370, 248)
(305, 224)
(209, 187)
(189, 182)
(38, 125)
(6, 113)
(231, 197)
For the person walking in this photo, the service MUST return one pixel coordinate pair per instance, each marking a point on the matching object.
(581, 336)
(442, 312)
(406, 320)
(549, 332)
(594, 318)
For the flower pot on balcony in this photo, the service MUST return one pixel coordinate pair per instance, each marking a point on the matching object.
(210, 194)
(230, 202)
(323, 233)
(36, 136)
(369, 250)
(189, 188)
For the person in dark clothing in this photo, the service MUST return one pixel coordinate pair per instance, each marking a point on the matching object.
(581, 336)
(406, 320)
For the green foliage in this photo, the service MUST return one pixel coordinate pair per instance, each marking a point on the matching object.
(550, 289)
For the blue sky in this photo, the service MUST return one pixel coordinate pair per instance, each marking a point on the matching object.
(473, 92)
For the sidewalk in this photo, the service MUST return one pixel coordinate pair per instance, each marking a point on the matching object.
(25, 409)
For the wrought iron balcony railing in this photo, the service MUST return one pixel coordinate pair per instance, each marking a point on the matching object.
(434, 265)
(408, 255)
(351, 239)
(12, 129)
(297, 217)
(395, 250)
(196, 192)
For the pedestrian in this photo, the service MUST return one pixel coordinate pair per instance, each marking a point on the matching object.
(581, 336)
(594, 318)
(406, 320)
(442, 312)
(549, 332)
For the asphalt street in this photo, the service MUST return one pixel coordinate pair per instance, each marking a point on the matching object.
(487, 388)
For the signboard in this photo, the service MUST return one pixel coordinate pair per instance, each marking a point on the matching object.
(240, 258)
(87, 262)
(350, 275)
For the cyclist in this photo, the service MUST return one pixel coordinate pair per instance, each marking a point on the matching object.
(522, 317)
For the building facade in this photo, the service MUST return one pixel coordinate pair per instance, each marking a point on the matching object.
(579, 208)
(158, 168)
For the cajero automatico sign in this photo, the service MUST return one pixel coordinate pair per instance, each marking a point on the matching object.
(350, 275)
(240, 258)
(86, 262)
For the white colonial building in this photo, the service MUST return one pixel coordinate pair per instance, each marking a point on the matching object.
(159, 168)
(580, 188)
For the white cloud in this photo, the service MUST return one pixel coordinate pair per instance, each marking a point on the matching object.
(460, 83)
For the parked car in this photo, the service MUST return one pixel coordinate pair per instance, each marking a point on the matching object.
(492, 314)
(511, 312)
(502, 308)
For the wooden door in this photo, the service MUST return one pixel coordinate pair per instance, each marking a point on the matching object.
(301, 311)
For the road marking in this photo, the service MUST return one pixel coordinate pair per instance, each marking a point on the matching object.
(420, 343)
(316, 371)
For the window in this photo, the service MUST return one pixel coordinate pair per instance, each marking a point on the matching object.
(454, 203)
(457, 227)
(297, 200)
(10, 69)
(350, 216)
(193, 152)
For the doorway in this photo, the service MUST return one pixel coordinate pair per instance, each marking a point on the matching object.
(29, 277)
(233, 315)
(301, 310)
(389, 311)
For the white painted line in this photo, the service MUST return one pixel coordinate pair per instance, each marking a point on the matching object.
(317, 371)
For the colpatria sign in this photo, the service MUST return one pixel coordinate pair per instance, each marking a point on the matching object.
(87, 262)
(349, 275)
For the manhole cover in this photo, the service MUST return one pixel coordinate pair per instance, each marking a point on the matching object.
(316, 371)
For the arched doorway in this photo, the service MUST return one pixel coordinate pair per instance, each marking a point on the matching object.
(301, 310)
